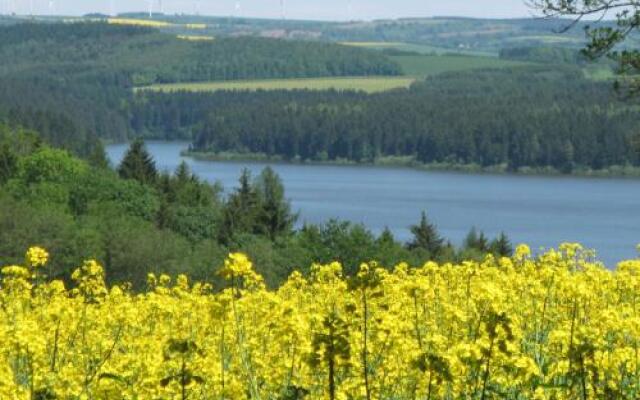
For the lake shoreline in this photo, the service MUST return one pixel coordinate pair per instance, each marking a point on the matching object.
(617, 172)
(540, 210)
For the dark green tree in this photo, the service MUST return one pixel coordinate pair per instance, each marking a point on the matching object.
(98, 157)
(183, 173)
(426, 237)
(274, 217)
(386, 238)
(241, 211)
(477, 241)
(138, 164)
(8, 163)
(501, 246)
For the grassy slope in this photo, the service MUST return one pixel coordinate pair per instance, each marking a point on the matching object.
(367, 84)
(424, 65)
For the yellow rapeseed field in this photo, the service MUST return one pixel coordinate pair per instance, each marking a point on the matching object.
(139, 22)
(555, 326)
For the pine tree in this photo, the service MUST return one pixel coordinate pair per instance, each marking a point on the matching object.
(476, 241)
(240, 212)
(425, 236)
(98, 156)
(183, 173)
(138, 164)
(275, 217)
(502, 246)
(386, 238)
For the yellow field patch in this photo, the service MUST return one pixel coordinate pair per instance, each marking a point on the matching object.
(196, 26)
(138, 22)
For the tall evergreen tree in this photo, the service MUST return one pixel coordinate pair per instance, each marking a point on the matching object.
(426, 236)
(138, 164)
(477, 241)
(501, 246)
(386, 238)
(183, 173)
(241, 210)
(98, 156)
(275, 217)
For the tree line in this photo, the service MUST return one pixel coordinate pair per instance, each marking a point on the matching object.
(73, 82)
(136, 220)
(531, 117)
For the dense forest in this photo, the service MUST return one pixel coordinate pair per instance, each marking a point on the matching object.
(75, 80)
(522, 117)
(153, 57)
(76, 86)
(136, 220)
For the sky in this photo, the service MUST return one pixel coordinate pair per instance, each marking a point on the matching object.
(294, 9)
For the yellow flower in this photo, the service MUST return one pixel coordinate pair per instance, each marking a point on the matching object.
(37, 257)
(521, 327)
(236, 265)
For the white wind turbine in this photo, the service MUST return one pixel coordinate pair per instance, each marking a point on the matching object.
(283, 9)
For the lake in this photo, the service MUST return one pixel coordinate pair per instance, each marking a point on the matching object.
(603, 214)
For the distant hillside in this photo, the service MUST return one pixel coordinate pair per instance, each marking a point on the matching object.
(442, 34)
(438, 34)
(149, 56)
(77, 77)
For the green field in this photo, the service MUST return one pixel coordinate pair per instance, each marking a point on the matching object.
(366, 84)
(420, 66)
(414, 67)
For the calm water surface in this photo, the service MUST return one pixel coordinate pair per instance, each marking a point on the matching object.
(603, 214)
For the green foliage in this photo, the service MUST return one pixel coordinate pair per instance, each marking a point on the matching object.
(8, 162)
(275, 214)
(172, 224)
(476, 246)
(477, 241)
(547, 54)
(50, 165)
(426, 65)
(138, 164)
(338, 241)
(72, 82)
(610, 38)
(509, 119)
(501, 246)
(426, 237)
(240, 211)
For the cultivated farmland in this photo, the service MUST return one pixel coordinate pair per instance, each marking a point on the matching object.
(366, 84)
